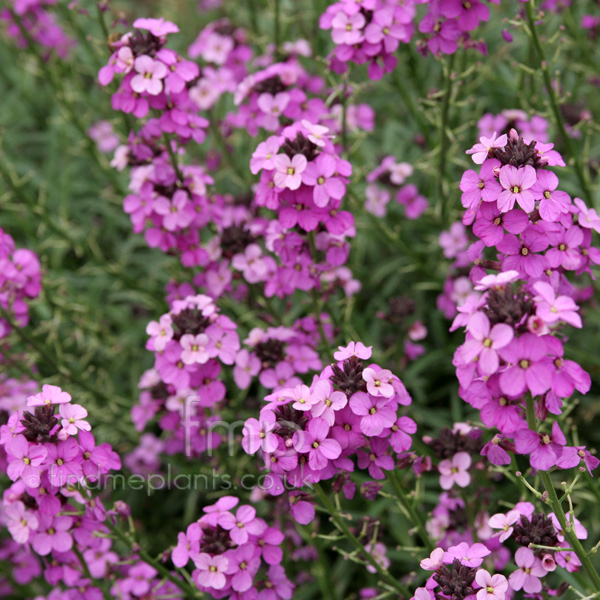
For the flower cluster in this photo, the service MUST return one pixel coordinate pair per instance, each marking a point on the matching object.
(311, 433)
(391, 176)
(32, 20)
(20, 280)
(515, 319)
(190, 344)
(370, 31)
(53, 461)
(235, 553)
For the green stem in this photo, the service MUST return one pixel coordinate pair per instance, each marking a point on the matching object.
(414, 515)
(560, 513)
(558, 118)
(173, 157)
(345, 530)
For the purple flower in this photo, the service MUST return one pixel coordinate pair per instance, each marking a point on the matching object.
(516, 184)
(544, 450)
(376, 459)
(244, 563)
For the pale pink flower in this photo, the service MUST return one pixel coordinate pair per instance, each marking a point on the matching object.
(505, 523)
(378, 383)
(150, 74)
(72, 416)
(455, 471)
(289, 171)
(50, 394)
(194, 348)
(493, 587)
(482, 150)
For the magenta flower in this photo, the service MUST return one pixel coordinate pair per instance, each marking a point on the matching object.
(244, 523)
(588, 217)
(301, 507)
(321, 174)
(521, 255)
(493, 587)
(565, 252)
(455, 471)
(289, 170)
(553, 203)
(485, 342)
(384, 29)
(516, 184)
(258, 435)
(264, 154)
(25, 460)
(480, 187)
(544, 450)
(64, 462)
(150, 74)
(402, 429)
(321, 449)
(211, 570)
(53, 534)
(375, 413)
(50, 394)
(177, 213)
(491, 223)
(529, 368)
(376, 459)
(527, 576)
(482, 151)
(572, 456)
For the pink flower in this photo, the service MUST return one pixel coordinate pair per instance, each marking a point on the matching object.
(72, 419)
(157, 27)
(552, 203)
(402, 429)
(492, 587)
(530, 368)
(552, 308)
(258, 435)
(347, 29)
(328, 401)
(483, 186)
(194, 349)
(264, 155)
(378, 383)
(588, 217)
(485, 342)
(20, 522)
(435, 560)
(317, 134)
(455, 471)
(521, 254)
(375, 412)
(482, 151)
(244, 523)
(161, 332)
(25, 460)
(289, 171)
(516, 184)
(544, 450)
(468, 555)
(505, 523)
(53, 534)
(50, 394)
(150, 74)
(320, 174)
(497, 281)
(211, 570)
(529, 572)
(321, 449)
(357, 349)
